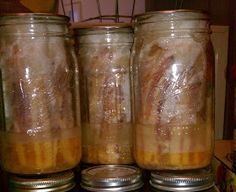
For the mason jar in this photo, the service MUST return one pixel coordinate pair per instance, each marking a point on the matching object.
(40, 121)
(103, 54)
(173, 88)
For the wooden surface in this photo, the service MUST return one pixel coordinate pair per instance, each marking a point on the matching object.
(223, 151)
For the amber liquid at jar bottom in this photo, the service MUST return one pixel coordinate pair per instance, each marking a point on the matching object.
(174, 148)
(109, 144)
(24, 155)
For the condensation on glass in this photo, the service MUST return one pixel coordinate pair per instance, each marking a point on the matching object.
(103, 55)
(173, 80)
(40, 124)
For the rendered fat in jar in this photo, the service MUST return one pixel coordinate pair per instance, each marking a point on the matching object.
(103, 55)
(173, 81)
(40, 124)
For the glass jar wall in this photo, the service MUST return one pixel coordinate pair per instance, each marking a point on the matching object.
(40, 123)
(103, 54)
(173, 67)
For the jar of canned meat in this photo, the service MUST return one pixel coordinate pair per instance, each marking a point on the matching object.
(173, 83)
(40, 121)
(103, 54)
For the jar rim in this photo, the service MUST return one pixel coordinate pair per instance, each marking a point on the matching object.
(100, 25)
(196, 15)
(168, 11)
(32, 14)
(15, 18)
(102, 28)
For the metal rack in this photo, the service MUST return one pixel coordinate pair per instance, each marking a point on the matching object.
(115, 17)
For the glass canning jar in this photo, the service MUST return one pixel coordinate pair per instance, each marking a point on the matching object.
(40, 123)
(103, 54)
(173, 82)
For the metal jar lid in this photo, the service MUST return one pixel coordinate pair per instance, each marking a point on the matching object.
(111, 178)
(197, 180)
(59, 182)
